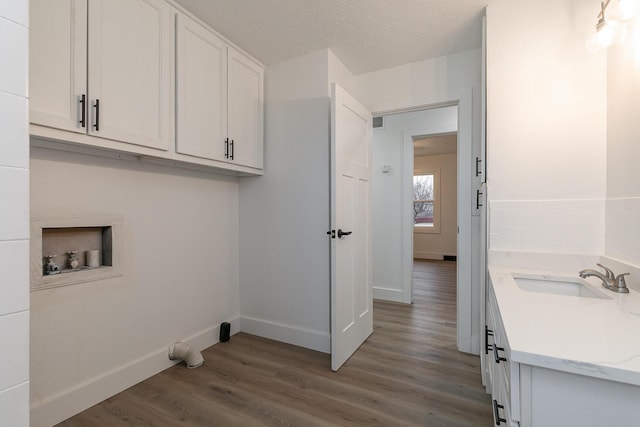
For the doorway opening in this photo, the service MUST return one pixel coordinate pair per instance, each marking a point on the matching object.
(435, 197)
(394, 214)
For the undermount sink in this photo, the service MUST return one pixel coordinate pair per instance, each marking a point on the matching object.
(567, 286)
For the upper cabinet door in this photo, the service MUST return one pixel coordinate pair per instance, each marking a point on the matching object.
(58, 63)
(130, 79)
(201, 91)
(245, 110)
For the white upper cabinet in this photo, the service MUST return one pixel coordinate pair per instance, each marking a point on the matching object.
(245, 110)
(220, 98)
(58, 63)
(144, 78)
(130, 81)
(201, 91)
(103, 67)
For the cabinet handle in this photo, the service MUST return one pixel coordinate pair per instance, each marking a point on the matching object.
(496, 356)
(83, 110)
(232, 145)
(487, 333)
(478, 161)
(496, 412)
(226, 148)
(97, 107)
(478, 204)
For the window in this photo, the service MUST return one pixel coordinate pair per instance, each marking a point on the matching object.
(425, 202)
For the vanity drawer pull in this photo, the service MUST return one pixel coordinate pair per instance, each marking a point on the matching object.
(487, 333)
(496, 356)
(496, 412)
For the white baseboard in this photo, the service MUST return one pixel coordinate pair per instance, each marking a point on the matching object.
(307, 338)
(475, 345)
(74, 400)
(386, 294)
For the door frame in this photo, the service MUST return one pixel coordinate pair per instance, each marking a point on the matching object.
(463, 99)
(407, 199)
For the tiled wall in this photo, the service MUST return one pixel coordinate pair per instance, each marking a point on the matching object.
(553, 226)
(623, 229)
(14, 214)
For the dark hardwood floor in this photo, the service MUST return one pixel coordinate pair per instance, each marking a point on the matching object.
(408, 373)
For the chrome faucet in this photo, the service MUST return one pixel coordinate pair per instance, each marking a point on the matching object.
(609, 280)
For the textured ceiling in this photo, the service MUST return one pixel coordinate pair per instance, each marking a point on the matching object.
(367, 35)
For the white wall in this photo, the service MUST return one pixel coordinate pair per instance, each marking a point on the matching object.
(180, 277)
(387, 194)
(284, 215)
(14, 211)
(623, 151)
(437, 245)
(546, 131)
(418, 83)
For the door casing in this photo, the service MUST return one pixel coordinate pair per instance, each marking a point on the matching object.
(463, 99)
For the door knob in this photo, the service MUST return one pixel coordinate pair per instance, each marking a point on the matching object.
(343, 233)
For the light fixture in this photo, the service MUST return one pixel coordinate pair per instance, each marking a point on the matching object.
(608, 30)
(623, 10)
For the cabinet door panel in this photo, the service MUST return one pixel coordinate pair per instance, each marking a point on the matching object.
(487, 354)
(130, 71)
(58, 58)
(245, 109)
(201, 91)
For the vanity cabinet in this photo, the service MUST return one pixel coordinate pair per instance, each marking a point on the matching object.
(529, 395)
(103, 68)
(220, 98)
(498, 364)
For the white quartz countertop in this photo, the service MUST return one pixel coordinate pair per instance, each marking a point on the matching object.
(586, 336)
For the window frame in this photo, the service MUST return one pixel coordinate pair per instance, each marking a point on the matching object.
(436, 201)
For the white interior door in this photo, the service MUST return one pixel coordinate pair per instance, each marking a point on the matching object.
(351, 288)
